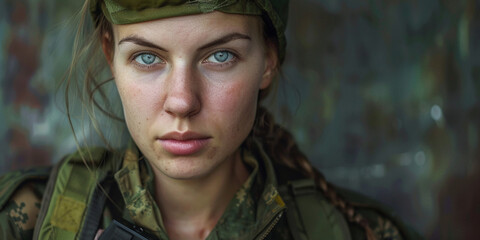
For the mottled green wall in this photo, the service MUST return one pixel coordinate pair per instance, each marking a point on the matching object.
(383, 95)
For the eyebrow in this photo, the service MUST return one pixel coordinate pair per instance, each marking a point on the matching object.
(140, 41)
(225, 39)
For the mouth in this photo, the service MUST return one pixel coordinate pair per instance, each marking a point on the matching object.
(182, 144)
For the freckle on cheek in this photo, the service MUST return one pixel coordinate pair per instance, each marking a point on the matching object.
(211, 153)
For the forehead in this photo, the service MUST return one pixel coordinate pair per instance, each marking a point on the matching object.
(192, 26)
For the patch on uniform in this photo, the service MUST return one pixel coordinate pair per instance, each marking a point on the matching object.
(279, 201)
(270, 194)
(68, 213)
(240, 196)
(386, 230)
(18, 215)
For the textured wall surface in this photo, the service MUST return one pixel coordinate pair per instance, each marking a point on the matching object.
(383, 96)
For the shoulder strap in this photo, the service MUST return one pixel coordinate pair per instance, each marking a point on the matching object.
(10, 182)
(310, 215)
(364, 203)
(95, 209)
(46, 199)
(69, 191)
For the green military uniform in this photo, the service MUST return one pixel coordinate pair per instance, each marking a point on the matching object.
(261, 209)
(274, 203)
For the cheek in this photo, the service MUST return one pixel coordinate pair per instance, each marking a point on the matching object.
(235, 105)
(137, 92)
(135, 104)
(129, 97)
(237, 91)
(241, 98)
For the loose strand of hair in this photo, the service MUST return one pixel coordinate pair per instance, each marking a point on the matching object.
(280, 145)
(81, 49)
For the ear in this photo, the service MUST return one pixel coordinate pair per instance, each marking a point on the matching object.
(108, 49)
(271, 62)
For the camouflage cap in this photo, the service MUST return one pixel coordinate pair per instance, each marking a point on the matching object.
(134, 11)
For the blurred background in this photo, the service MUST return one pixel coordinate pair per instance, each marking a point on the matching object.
(383, 96)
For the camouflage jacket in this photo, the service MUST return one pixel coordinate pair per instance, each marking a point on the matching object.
(257, 211)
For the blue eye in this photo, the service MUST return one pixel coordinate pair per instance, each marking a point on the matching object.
(220, 57)
(147, 59)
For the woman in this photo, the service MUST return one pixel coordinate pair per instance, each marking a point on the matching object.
(205, 160)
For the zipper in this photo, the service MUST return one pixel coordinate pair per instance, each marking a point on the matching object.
(271, 226)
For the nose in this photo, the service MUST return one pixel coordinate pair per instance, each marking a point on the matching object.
(182, 93)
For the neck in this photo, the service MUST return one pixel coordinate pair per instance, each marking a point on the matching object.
(191, 208)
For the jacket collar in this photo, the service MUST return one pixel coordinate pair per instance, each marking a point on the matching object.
(252, 210)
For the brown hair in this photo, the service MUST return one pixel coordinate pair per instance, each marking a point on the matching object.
(280, 145)
(86, 87)
(278, 142)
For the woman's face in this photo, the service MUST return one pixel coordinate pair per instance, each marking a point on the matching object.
(189, 88)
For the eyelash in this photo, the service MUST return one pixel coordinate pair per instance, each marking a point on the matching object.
(234, 59)
(146, 66)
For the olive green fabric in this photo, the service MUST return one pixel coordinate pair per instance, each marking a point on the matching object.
(257, 211)
(139, 202)
(11, 181)
(385, 223)
(132, 11)
(70, 194)
(68, 203)
(20, 196)
(305, 206)
(247, 216)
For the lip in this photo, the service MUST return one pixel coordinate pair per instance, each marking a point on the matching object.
(186, 143)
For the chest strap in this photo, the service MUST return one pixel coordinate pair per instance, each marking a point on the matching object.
(69, 190)
(310, 215)
(95, 209)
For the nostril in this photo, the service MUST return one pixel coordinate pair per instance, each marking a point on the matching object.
(182, 104)
(182, 92)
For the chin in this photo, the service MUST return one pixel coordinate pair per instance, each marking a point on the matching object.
(183, 169)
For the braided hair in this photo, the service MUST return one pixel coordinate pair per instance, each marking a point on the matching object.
(280, 145)
(278, 142)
